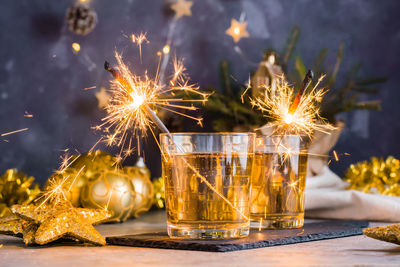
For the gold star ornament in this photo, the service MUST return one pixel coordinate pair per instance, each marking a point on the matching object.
(237, 30)
(15, 226)
(63, 220)
(389, 233)
(46, 223)
(182, 8)
(102, 97)
(11, 225)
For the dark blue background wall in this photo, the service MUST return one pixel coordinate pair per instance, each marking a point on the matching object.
(51, 88)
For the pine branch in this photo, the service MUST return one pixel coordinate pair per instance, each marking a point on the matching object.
(300, 68)
(366, 90)
(372, 81)
(318, 62)
(335, 71)
(369, 105)
(225, 77)
(290, 46)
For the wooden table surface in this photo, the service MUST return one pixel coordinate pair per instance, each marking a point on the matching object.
(356, 250)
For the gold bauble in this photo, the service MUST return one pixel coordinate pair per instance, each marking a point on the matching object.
(159, 193)
(72, 186)
(111, 190)
(83, 168)
(139, 176)
(94, 162)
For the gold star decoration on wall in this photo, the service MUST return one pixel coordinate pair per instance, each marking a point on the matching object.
(182, 8)
(102, 97)
(237, 30)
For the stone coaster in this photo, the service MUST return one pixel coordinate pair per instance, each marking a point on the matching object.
(312, 231)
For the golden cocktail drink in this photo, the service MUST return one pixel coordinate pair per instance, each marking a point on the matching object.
(278, 182)
(207, 184)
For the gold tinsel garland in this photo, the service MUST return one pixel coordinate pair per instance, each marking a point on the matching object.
(16, 188)
(377, 175)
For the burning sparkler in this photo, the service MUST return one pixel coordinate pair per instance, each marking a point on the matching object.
(291, 114)
(134, 99)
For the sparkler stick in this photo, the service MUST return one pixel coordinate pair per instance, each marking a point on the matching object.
(306, 82)
(156, 120)
(115, 73)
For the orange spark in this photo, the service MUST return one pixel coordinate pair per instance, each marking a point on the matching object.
(13, 132)
(89, 88)
(335, 155)
(139, 40)
(28, 115)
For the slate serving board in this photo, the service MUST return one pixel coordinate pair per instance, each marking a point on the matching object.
(311, 231)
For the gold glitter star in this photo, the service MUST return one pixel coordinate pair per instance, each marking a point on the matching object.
(29, 232)
(102, 97)
(63, 220)
(11, 225)
(15, 226)
(237, 30)
(182, 8)
(389, 233)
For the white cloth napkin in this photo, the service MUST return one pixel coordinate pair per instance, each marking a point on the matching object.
(326, 197)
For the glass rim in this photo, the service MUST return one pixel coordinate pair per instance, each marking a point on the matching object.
(281, 135)
(208, 134)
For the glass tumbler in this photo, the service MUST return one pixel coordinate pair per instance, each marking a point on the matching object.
(278, 182)
(207, 184)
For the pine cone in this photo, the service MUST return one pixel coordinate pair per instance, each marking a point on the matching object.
(81, 19)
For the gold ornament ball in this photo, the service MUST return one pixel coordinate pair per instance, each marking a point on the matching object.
(139, 176)
(159, 193)
(86, 165)
(110, 189)
(73, 190)
(94, 162)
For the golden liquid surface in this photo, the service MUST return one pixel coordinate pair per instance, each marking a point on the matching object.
(193, 204)
(278, 183)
